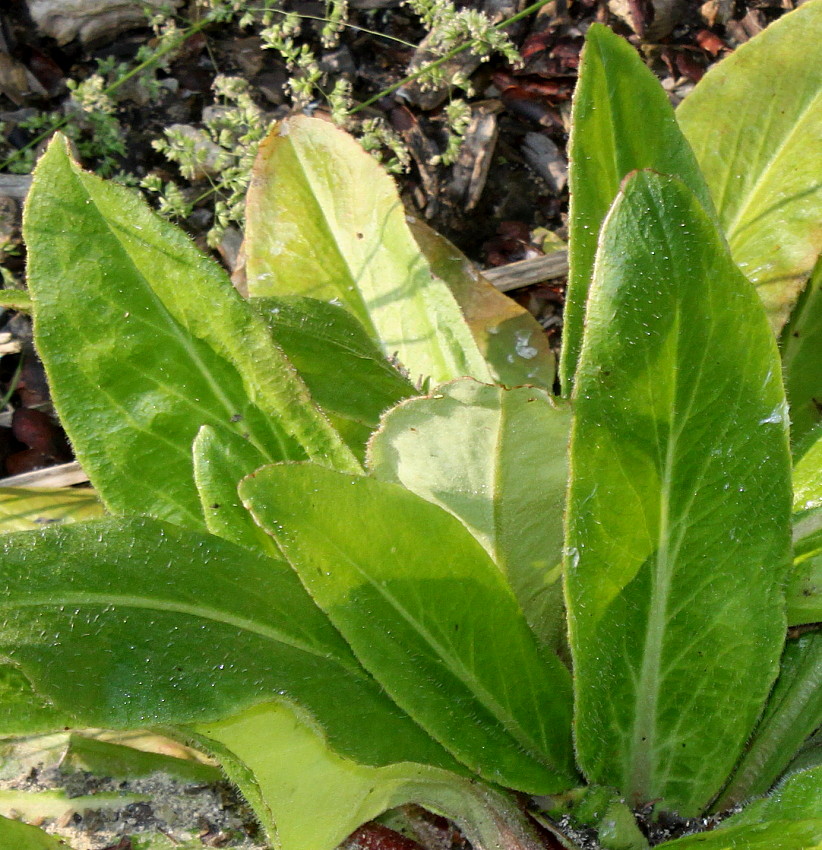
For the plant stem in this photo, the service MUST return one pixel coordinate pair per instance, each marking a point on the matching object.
(455, 51)
(110, 89)
(15, 379)
(789, 718)
(489, 819)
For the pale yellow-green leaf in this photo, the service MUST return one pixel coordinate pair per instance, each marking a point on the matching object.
(506, 483)
(24, 509)
(755, 124)
(313, 798)
(325, 220)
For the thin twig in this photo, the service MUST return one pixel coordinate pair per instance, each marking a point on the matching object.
(455, 51)
(63, 475)
(164, 51)
(526, 272)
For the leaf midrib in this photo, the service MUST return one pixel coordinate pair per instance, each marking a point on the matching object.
(363, 314)
(175, 329)
(458, 670)
(434, 352)
(796, 127)
(199, 611)
(643, 743)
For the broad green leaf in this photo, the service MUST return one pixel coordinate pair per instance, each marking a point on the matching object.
(509, 337)
(24, 509)
(495, 459)
(325, 220)
(621, 121)
(346, 373)
(22, 709)
(145, 340)
(21, 836)
(755, 124)
(125, 623)
(679, 504)
(313, 799)
(793, 712)
(801, 358)
(428, 614)
(807, 474)
(221, 460)
(790, 818)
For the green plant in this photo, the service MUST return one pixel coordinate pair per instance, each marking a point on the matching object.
(227, 141)
(336, 556)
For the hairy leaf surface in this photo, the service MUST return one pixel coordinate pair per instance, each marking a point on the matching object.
(679, 505)
(221, 460)
(755, 124)
(774, 835)
(621, 121)
(428, 613)
(793, 712)
(790, 818)
(125, 623)
(506, 482)
(325, 220)
(22, 710)
(797, 798)
(145, 340)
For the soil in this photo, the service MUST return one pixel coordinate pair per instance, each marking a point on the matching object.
(191, 814)
(504, 199)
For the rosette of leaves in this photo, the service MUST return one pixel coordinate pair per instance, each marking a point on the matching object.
(355, 548)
